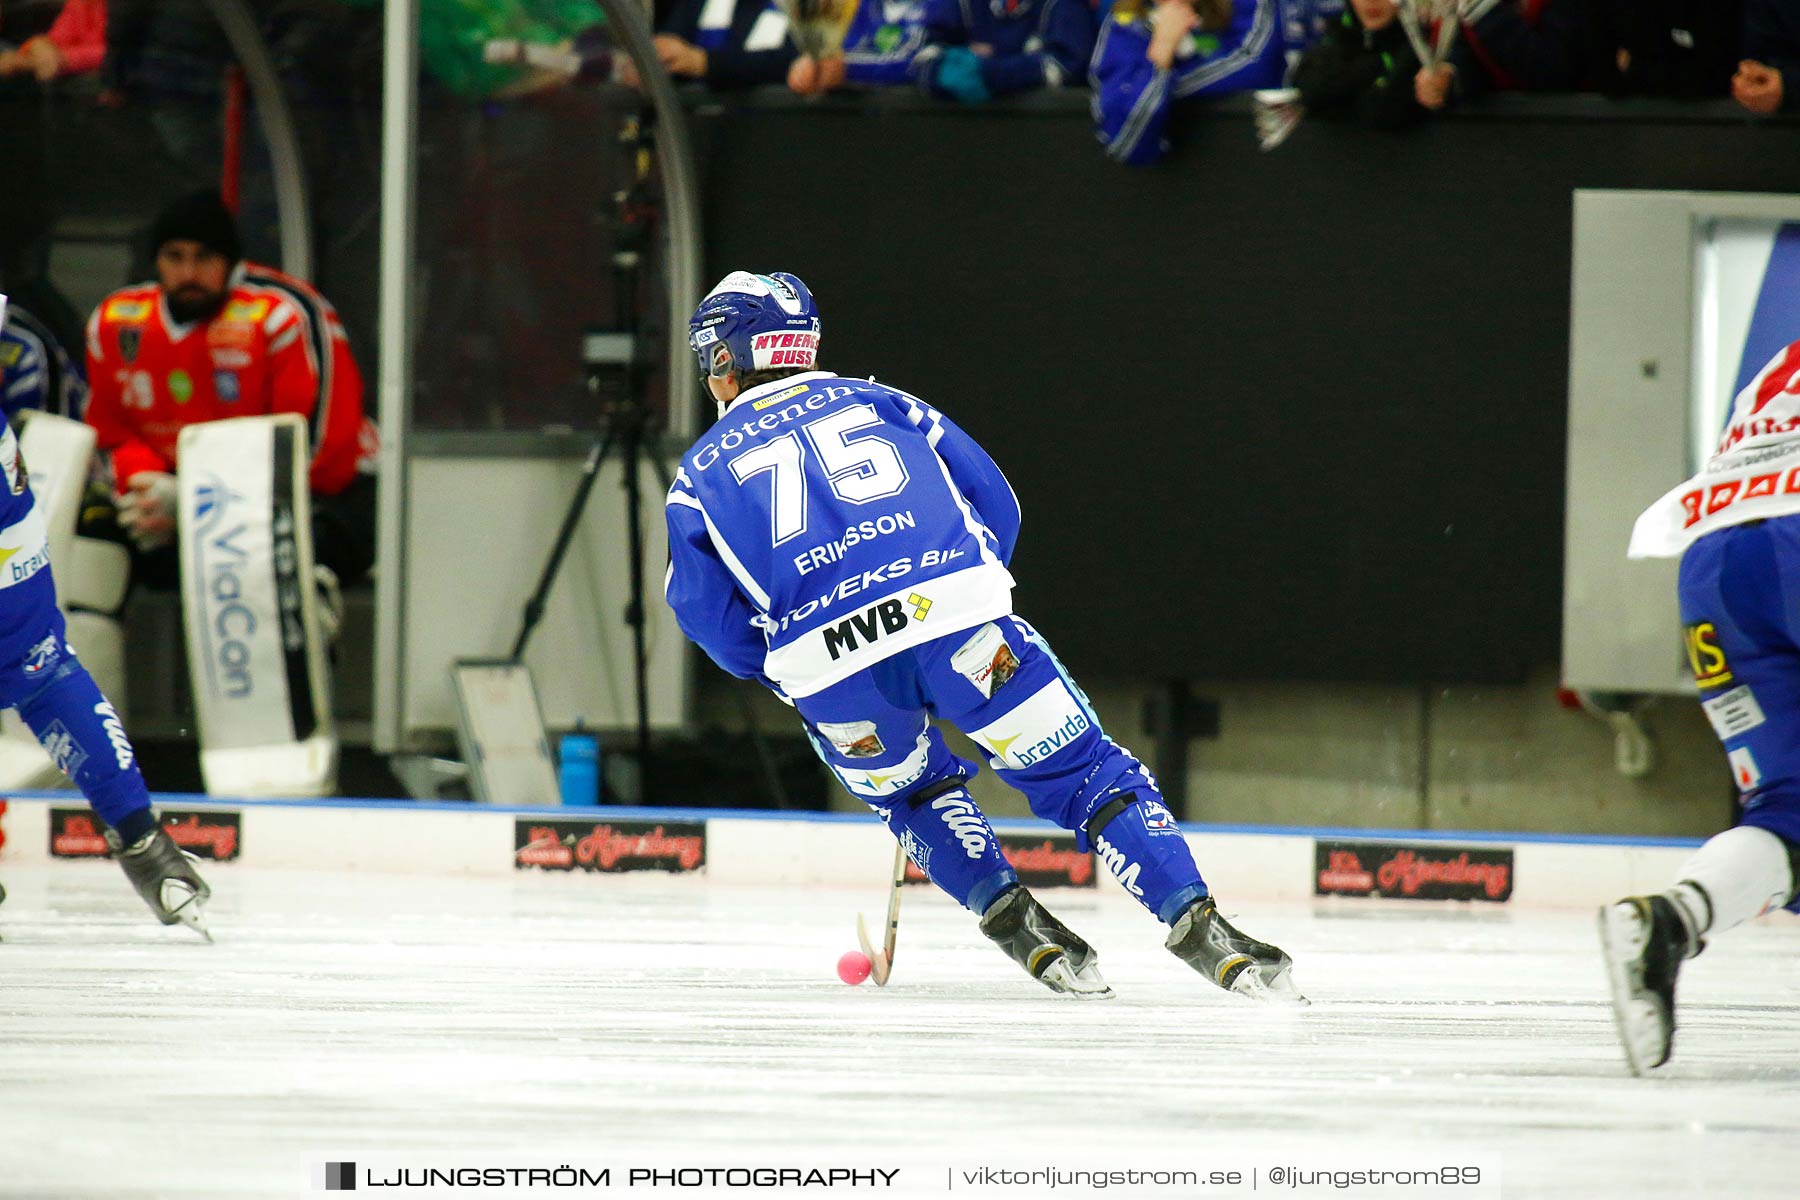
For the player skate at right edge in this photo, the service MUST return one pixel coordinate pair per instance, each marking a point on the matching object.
(59, 701)
(846, 545)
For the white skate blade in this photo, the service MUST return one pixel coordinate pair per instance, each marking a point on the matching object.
(1085, 984)
(1278, 989)
(1637, 1015)
(183, 903)
(879, 967)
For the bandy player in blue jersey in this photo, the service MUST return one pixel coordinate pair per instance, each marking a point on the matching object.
(59, 701)
(845, 544)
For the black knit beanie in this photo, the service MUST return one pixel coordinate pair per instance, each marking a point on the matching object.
(201, 217)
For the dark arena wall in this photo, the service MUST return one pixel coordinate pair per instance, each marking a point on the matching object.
(1297, 414)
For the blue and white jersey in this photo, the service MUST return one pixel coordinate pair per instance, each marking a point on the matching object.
(883, 39)
(35, 371)
(1027, 43)
(1132, 97)
(825, 524)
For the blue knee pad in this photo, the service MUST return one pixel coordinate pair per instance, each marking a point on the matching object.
(951, 841)
(1138, 840)
(86, 740)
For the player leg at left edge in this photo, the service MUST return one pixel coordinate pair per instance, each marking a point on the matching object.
(76, 725)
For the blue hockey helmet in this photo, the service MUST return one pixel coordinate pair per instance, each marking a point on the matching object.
(755, 322)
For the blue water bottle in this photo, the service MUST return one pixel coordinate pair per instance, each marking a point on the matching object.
(578, 770)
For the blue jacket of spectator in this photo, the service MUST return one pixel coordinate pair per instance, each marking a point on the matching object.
(1772, 38)
(1032, 44)
(884, 38)
(1132, 97)
(746, 41)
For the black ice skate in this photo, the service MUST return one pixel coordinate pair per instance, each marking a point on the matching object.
(165, 878)
(1047, 949)
(1211, 945)
(1644, 939)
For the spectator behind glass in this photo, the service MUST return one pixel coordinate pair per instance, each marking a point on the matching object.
(1507, 45)
(1528, 46)
(169, 57)
(979, 49)
(1673, 49)
(1364, 67)
(1771, 57)
(1666, 49)
(1152, 54)
(75, 44)
(722, 43)
(883, 39)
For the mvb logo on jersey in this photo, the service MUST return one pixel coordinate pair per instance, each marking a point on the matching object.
(1049, 720)
(873, 623)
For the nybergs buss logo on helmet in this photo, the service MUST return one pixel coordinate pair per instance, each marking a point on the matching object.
(788, 349)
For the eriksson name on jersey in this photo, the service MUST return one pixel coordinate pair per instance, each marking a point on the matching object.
(855, 535)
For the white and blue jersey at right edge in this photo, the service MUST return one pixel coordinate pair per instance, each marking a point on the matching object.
(825, 524)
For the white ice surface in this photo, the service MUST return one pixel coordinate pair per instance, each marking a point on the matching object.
(579, 1019)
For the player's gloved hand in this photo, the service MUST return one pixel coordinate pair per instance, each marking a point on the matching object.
(958, 72)
(147, 509)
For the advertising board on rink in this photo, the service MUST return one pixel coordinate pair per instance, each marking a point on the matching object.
(1412, 870)
(76, 833)
(1042, 860)
(556, 844)
(215, 836)
(218, 836)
